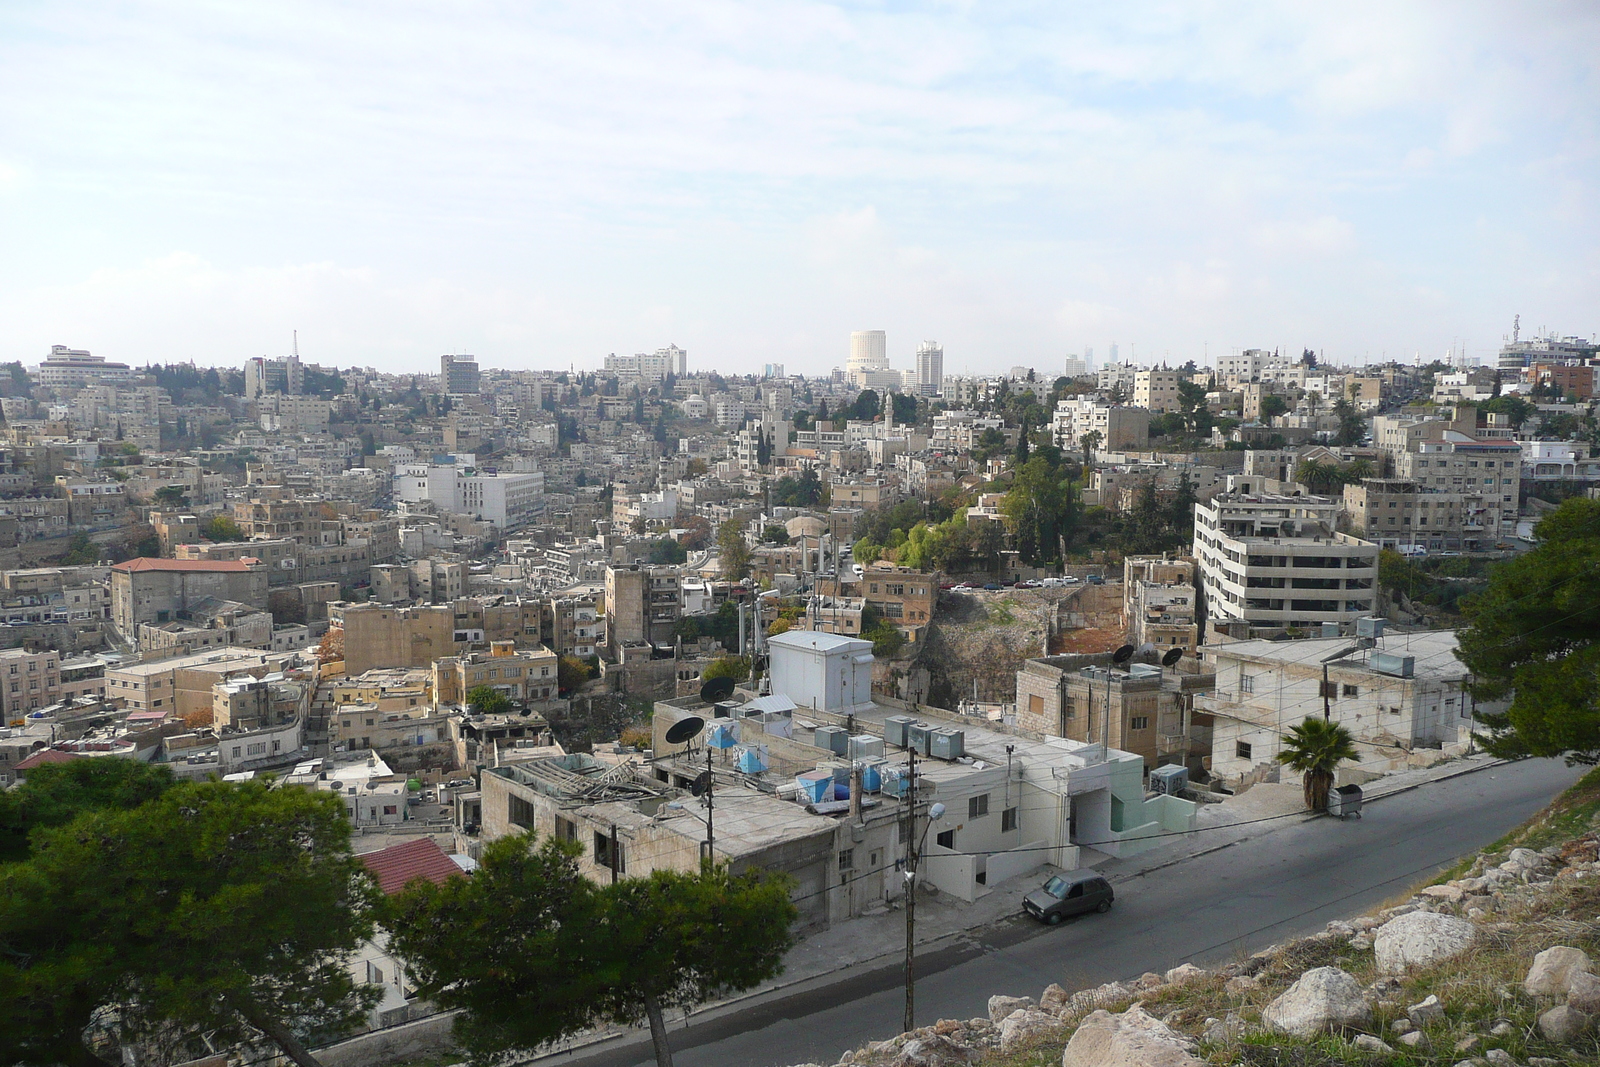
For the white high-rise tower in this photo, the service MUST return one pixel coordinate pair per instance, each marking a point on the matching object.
(930, 368)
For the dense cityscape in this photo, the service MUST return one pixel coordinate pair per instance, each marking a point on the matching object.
(477, 603)
(799, 533)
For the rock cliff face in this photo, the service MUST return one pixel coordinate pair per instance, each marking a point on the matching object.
(1496, 967)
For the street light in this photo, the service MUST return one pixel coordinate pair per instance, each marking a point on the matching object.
(913, 850)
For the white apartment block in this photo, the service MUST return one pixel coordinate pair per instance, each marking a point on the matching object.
(1156, 389)
(1403, 693)
(1277, 562)
(509, 499)
(1119, 427)
(651, 366)
(1114, 375)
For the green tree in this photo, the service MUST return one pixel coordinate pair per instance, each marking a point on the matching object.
(668, 550)
(735, 667)
(486, 700)
(1533, 637)
(129, 907)
(733, 554)
(531, 951)
(56, 793)
(571, 672)
(674, 940)
(1352, 427)
(867, 406)
(172, 496)
(1272, 405)
(509, 947)
(1315, 748)
(1516, 409)
(221, 528)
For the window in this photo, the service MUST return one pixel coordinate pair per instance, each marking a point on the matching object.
(391, 809)
(847, 860)
(1352, 690)
(947, 839)
(1247, 683)
(1139, 722)
(1075, 891)
(978, 806)
(566, 829)
(1241, 749)
(603, 856)
(1008, 820)
(521, 813)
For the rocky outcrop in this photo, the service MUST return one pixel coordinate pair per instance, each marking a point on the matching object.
(1324, 999)
(1131, 1039)
(1420, 938)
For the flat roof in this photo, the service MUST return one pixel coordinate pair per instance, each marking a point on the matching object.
(1434, 651)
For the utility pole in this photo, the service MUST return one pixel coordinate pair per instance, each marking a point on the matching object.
(911, 889)
(711, 781)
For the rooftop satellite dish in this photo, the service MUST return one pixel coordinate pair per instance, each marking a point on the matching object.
(1123, 654)
(1172, 656)
(685, 730)
(716, 689)
(701, 785)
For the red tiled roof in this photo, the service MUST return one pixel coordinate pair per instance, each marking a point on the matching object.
(397, 865)
(46, 755)
(147, 563)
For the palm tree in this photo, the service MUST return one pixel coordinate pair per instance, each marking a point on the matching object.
(1315, 748)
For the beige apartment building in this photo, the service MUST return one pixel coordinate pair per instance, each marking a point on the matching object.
(1156, 390)
(521, 675)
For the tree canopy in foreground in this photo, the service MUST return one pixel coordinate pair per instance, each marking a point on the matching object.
(1534, 637)
(532, 951)
(225, 908)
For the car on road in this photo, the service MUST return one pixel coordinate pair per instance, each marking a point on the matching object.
(1030, 584)
(457, 783)
(1069, 894)
(992, 586)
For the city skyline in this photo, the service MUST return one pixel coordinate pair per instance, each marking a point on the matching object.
(754, 184)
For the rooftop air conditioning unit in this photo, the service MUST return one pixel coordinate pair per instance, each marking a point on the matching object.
(835, 739)
(918, 736)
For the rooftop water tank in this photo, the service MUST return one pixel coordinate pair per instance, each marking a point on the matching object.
(835, 739)
(947, 744)
(917, 737)
(897, 730)
(863, 746)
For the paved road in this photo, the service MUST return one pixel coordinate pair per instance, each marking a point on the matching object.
(1287, 882)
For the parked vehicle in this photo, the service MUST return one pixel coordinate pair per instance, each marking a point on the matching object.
(457, 783)
(1069, 894)
(1030, 584)
(992, 587)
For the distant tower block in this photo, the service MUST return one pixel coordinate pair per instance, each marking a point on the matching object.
(930, 368)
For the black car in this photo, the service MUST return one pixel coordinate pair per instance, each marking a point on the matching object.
(1069, 894)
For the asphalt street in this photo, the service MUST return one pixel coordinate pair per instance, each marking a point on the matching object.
(1288, 881)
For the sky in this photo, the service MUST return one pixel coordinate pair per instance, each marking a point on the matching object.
(541, 184)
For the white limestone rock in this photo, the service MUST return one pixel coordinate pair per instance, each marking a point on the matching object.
(1324, 998)
(933, 1051)
(1002, 1006)
(1054, 999)
(1186, 972)
(1025, 1025)
(1132, 1039)
(1368, 1043)
(1552, 971)
(1420, 938)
